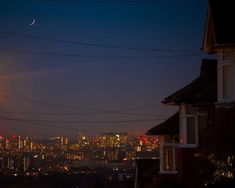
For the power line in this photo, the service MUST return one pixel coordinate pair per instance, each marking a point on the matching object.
(76, 113)
(64, 128)
(141, 107)
(95, 56)
(81, 121)
(60, 127)
(94, 44)
(54, 126)
(105, 1)
(79, 107)
(47, 103)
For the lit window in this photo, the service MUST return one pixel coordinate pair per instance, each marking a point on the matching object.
(167, 158)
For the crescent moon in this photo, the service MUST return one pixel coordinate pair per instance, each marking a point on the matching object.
(33, 22)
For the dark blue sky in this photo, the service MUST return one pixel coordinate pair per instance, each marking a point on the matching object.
(96, 82)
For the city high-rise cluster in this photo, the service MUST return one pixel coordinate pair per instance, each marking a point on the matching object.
(21, 155)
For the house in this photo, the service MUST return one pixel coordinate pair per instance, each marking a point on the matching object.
(205, 123)
(219, 39)
(180, 135)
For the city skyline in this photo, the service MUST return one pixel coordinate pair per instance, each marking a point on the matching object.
(26, 156)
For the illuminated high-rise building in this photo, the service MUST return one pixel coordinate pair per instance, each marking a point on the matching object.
(28, 144)
(83, 140)
(26, 163)
(66, 141)
(1, 143)
(61, 140)
(10, 162)
(113, 139)
(7, 144)
(19, 144)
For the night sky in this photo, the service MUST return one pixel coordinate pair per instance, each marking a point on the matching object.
(96, 66)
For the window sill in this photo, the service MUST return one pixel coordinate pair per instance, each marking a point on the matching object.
(187, 146)
(168, 172)
(225, 104)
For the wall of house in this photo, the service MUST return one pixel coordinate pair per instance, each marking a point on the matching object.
(145, 170)
(187, 168)
(226, 75)
(224, 116)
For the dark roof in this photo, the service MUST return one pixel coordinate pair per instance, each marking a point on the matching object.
(219, 29)
(223, 17)
(168, 127)
(201, 90)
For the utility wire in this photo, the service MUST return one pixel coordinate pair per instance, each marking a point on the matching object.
(141, 107)
(94, 44)
(47, 103)
(105, 1)
(76, 113)
(64, 128)
(95, 56)
(53, 126)
(79, 107)
(81, 121)
(58, 127)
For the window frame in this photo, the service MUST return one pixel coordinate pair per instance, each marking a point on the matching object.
(226, 59)
(184, 126)
(163, 159)
(226, 92)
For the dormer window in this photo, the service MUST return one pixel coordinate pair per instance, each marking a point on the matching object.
(226, 68)
(188, 126)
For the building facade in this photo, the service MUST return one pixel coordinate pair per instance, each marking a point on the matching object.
(205, 122)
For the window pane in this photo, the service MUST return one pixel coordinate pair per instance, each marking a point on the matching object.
(168, 158)
(191, 130)
(181, 131)
(226, 55)
(190, 109)
(226, 81)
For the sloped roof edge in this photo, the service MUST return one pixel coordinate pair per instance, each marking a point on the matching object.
(168, 127)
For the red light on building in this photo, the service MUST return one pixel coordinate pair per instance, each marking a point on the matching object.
(143, 139)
